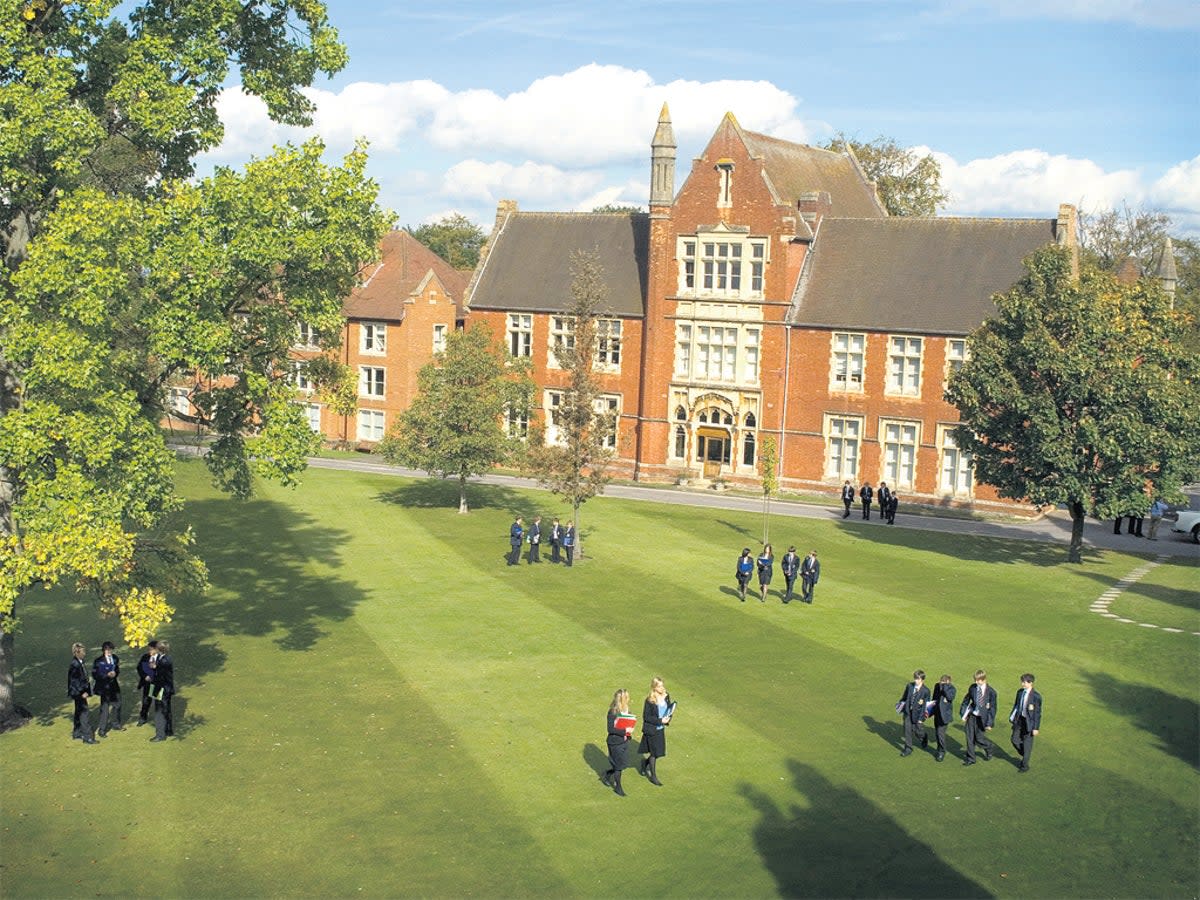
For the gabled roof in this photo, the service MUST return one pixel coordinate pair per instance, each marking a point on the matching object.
(401, 272)
(528, 265)
(924, 276)
(796, 169)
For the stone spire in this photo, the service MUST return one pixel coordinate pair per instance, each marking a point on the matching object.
(662, 161)
(1167, 273)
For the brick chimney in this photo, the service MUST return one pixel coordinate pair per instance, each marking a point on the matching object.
(813, 206)
(1066, 233)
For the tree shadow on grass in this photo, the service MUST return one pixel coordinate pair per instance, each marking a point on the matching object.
(1174, 721)
(987, 548)
(441, 493)
(843, 845)
(1161, 593)
(740, 529)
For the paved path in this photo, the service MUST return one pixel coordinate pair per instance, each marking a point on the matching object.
(1106, 599)
(1054, 527)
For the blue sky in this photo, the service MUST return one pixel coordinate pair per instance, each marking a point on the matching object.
(1026, 105)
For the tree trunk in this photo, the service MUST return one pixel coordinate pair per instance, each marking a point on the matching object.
(8, 704)
(578, 536)
(766, 519)
(463, 509)
(1075, 554)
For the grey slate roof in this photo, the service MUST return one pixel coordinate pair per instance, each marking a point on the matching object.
(796, 169)
(924, 276)
(528, 266)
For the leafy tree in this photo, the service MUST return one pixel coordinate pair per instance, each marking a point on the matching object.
(454, 238)
(454, 427)
(909, 184)
(617, 208)
(120, 276)
(1187, 290)
(1109, 237)
(576, 468)
(1080, 392)
(768, 464)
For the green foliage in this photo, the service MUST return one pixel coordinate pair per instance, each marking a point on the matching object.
(617, 208)
(454, 238)
(1080, 392)
(908, 184)
(768, 465)
(576, 468)
(1109, 237)
(122, 277)
(455, 425)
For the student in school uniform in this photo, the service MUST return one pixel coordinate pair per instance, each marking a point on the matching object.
(978, 711)
(943, 712)
(618, 742)
(743, 570)
(569, 543)
(535, 541)
(656, 716)
(790, 566)
(1026, 719)
(912, 708)
(79, 689)
(556, 536)
(766, 566)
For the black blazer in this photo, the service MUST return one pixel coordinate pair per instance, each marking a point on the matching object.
(866, 492)
(986, 705)
(811, 569)
(914, 700)
(107, 688)
(616, 736)
(790, 565)
(78, 682)
(650, 719)
(164, 677)
(943, 696)
(1033, 714)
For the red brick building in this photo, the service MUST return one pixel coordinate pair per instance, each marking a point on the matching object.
(772, 296)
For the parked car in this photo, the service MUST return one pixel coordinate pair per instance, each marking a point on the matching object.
(1188, 522)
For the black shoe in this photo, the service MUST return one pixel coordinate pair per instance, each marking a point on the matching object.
(925, 742)
(90, 740)
(606, 779)
(940, 756)
(987, 755)
(141, 722)
(907, 751)
(654, 780)
(155, 740)
(101, 734)
(968, 762)
(618, 790)
(1022, 768)
(642, 768)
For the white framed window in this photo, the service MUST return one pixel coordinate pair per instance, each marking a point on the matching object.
(371, 381)
(306, 337)
(562, 337)
(609, 406)
(724, 185)
(299, 376)
(517, 423)
(904, 365)
(956, 355)
(372, 338)
(683, 350)
(312, 415)
(750, 357)
(552, 405)
(900, 440)
(724, 265)
(679, 443)
(520, 334)
(180, 401)
(843, 438)
(716, 352)
(370, 425)
(439, 338)
(608, 343)
(848, 359)
(957, 473)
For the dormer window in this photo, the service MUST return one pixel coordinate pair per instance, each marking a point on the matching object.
(724, 183)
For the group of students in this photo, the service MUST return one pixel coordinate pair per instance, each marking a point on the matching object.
(156, 680)
(561, 538)
(977, 711)
(809, 570)
(657, 711)
(889, 500)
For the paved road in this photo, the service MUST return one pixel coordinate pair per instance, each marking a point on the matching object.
(1055, 527)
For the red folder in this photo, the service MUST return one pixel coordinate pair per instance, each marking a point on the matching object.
(625, 721)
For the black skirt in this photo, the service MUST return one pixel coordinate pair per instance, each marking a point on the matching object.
(618, 755)
(654, 743)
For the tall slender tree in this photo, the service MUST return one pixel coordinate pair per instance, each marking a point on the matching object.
(1080, 392)
(120, 275)
(575, 465)
(457, 425)
(768, 465)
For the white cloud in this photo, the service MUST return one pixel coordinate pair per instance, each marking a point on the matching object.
(1033, 182)
(590, 116)
(542, 186)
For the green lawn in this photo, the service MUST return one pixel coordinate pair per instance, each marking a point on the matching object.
(372, 704)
